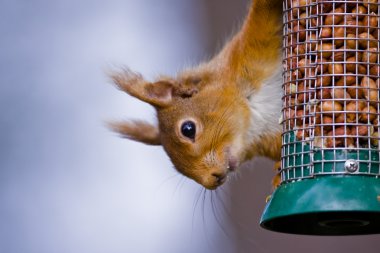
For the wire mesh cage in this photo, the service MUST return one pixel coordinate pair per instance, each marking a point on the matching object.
(331, 85)
(331, 106)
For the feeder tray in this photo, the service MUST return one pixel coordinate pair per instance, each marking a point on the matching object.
(339, 205)
(330, 165)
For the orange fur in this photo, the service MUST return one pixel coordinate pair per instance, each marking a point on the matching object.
(220, 98)
(138, 131)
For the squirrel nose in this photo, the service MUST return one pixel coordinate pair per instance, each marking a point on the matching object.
(220, 177)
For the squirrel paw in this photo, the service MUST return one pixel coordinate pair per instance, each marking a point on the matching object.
(277, 178)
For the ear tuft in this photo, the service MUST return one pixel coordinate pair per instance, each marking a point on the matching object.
(127, 80)
(137, 130)
(191, 82)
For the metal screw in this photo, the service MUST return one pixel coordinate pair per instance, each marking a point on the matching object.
(351, 165)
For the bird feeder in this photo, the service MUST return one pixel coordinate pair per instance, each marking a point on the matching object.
(330, 166)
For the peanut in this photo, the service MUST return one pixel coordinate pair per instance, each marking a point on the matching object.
(359, 12)
(374, 70)
(299, 32)
(340, 93)
(368, 114)
(341, 118)
(324, 93)
(370, 55)
(335, 68)
(371, 5)
(334, 17)
(334, 141)
(351, 41)
(326, 32)
(322, 65)
(352, 110)
(325, 49)
(323, 81)
(348, 79)
(375, 139)
(355, 91)
(366, 40)
(303, 18)
(299, 6)
(370, 21)
(371, 93)
(330, 107)
(362, 130)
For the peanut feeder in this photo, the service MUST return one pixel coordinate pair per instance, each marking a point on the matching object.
(330, 167)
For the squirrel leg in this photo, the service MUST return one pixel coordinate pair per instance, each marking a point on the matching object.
(277, 178)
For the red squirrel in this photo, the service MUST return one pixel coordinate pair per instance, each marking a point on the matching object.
(216, 116)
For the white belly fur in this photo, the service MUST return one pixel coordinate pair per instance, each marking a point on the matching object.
(266, 107)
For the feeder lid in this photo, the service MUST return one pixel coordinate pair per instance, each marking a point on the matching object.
(325, 205)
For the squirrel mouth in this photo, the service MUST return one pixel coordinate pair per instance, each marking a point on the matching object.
(232, 164)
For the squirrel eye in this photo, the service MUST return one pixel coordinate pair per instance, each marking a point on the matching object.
(188, 129)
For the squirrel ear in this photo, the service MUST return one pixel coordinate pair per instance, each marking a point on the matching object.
(138, 131)
(158, 94)
(191, 83)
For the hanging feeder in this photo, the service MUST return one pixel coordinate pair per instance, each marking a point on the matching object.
(330, 166)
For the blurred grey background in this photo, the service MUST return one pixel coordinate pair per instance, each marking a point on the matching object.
(67, 184)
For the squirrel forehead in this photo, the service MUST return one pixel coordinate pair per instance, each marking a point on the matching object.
(171, 115)
(197, 107)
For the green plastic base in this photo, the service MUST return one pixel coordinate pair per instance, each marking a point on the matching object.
(325, 205)
(300, 161)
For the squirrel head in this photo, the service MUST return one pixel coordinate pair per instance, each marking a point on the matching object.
(202, 124)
